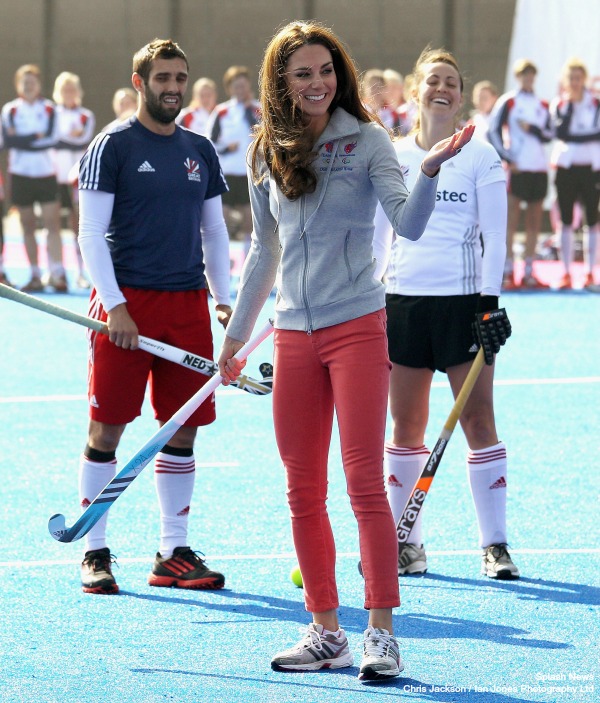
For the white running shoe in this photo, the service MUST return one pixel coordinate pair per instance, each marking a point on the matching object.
(381, 656)
(497, 564)
(412, 560)
(315, 650)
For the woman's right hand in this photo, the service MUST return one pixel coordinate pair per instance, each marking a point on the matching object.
(229, 367)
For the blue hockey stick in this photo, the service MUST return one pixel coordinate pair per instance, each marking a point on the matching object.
(134, 467)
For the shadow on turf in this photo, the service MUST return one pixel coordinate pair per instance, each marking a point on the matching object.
(388, 689)
(530, 589)
(417, 626)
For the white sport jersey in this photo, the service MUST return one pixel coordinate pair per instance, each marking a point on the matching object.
(76, 128)
(232, 123)
(29, 155)
(577, 128)
(515, 145)
(447, 259)
(195, 119)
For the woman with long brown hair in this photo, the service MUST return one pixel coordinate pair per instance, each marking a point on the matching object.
(318, 166)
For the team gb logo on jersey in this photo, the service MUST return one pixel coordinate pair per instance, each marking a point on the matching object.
(193, 170)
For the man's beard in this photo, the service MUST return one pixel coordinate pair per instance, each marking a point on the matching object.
(157, 110)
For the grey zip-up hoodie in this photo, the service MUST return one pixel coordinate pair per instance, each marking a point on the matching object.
(320, 247)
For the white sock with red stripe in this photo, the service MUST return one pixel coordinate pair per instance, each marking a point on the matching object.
(174, 480)
(487, 470)
(93, 477)
(402, 467)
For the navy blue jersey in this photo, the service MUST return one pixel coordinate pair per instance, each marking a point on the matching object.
(160, 184)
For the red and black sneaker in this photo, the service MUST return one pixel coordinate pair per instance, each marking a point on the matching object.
(185, 569)
(96, 572)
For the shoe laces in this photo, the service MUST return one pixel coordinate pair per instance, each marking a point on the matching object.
(498, 552)
(190, 555)
(312, 638)
(377, 643)
(100, 562)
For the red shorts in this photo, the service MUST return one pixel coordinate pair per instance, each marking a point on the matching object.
(118, 377)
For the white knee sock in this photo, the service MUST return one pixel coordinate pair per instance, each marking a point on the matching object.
(487, 470)
(566, 246)
(93, 477)
(590, 247)
(174, 480)
(403, 466)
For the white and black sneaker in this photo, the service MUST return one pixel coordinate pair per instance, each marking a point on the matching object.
(412, 560)
(316, 650)
(381, 656)
(497, 564)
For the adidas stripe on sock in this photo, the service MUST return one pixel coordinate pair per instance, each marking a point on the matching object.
(174, 478)
(403, 467)
(487, 471)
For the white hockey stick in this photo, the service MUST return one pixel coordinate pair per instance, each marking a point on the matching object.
(164, 351)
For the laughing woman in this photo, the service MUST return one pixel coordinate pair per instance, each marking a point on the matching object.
(319, 164)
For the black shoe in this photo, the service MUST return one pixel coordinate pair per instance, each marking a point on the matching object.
(96, 572)
(185, 569)
(34, 285)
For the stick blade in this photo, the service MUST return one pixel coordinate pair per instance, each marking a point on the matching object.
(57, 527)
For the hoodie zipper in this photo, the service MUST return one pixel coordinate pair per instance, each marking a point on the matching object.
(304, 238)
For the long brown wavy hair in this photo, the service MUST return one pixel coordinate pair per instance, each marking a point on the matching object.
(281, 138)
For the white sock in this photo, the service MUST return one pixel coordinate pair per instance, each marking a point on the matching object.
(590, 246)
(93, 477)
(487, 470)
(403, 466)
(566, 246)
(174, 480)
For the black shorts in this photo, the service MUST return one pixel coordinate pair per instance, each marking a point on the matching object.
(578, 183)
(529, 186)
(431, 332)
(65, 196)
(238, 193)
(27, 191)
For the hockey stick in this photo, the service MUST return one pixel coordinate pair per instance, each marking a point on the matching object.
(164, 351)
(417, 498)
(110, 493)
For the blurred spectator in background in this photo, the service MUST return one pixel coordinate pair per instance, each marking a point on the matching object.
(484, 98)
(394, 88)
(124, 104)
(3, 276)
(230, 129)
(29, 132)
(204, 100)
(576, 158)
(374, 96)
(519, 128)
(76, 126)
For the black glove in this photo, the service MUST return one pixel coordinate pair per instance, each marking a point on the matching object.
(491, 328)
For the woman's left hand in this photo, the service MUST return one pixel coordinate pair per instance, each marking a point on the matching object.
(445, 150)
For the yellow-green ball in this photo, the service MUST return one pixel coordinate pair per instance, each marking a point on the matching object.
(296, 576)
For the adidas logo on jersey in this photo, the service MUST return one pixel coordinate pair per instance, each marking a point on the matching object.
(474, 348)
(94, 402)
(146, 168)
(500, 483)
(393, 481)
